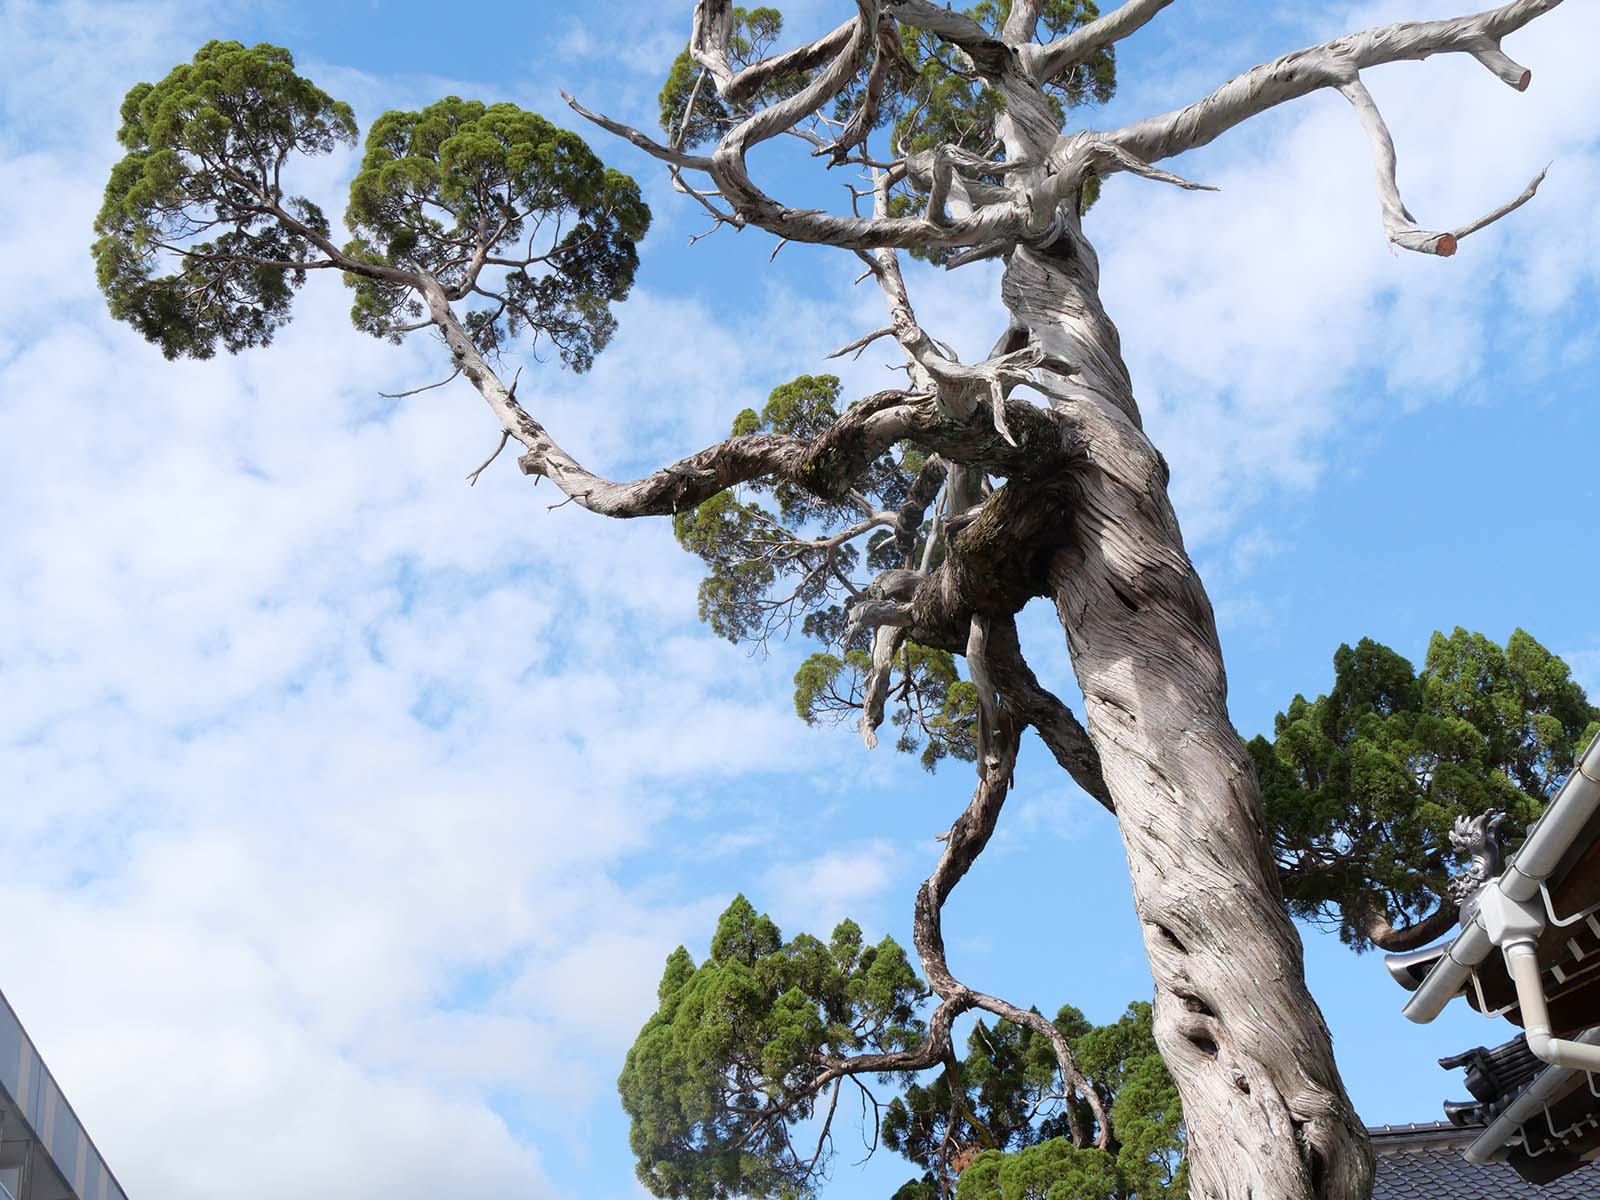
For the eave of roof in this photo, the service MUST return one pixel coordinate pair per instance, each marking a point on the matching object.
(1547, 847)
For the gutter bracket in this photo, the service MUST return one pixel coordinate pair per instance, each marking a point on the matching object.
(1508, 921)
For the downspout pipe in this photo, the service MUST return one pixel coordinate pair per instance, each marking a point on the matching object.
(1450, 973)
(1568, 813)
(1522, 961)
(1529, 1103)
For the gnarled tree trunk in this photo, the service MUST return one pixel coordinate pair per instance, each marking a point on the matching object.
(1245, 1042)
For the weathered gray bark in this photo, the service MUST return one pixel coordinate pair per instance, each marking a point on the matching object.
(1267, 1114)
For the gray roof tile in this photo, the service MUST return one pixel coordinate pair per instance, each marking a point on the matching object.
(1445, 1175)
(1422, 1161)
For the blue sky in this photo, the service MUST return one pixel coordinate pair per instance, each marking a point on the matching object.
(351, 812)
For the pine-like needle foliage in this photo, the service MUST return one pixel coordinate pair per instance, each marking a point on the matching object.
(720, 1084)
(202, 186)
(1363, 785)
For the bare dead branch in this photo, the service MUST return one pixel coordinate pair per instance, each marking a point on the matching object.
(427, 387)
(1331, 65)
(1022, 22)
(1489, 218)
(977, 43)
(1046, 62)
(667, 154)
(861, 343)
(472, 479)
(1398, 223)
(886, 641)
(988, 705)
(866, 114)
(708, 44)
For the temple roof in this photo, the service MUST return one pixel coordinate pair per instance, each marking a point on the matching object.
(1423, 1162)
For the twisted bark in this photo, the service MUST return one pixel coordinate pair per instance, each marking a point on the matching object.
(1245, 1042)
(1077, 509)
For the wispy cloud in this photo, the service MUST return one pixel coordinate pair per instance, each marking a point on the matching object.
(339, 796)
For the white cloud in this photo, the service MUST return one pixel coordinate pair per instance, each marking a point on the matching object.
(815, 894)
(324, 771)
(1253, 318)
(339, 796)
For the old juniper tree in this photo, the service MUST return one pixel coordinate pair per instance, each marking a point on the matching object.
(922, 517)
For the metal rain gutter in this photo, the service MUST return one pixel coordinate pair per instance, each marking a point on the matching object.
(1531, 1101)
(1568, 813)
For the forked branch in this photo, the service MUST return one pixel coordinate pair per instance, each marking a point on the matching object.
(1398, 222)
(1337, 65)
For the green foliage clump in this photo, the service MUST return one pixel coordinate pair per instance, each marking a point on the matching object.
(1052, 1170)
(717, 1085)
(767, 568)
(720, 1071)
(938, 713)
(460, 191)
(1363, 785)
(1013, 1131)
(202, 183)
(459, 182)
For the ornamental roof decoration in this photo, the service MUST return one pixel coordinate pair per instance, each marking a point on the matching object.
(1528, 951)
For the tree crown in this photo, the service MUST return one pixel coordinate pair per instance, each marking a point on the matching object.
(1363, 785)
(461, 185)
(725, 1076)
(202, 183)
(491, 204)
(748, 1031)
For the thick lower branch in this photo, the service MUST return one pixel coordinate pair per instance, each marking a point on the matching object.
(1385, 935)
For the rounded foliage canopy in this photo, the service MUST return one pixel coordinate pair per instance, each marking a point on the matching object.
(202, 182)
(462, 185)
(740, 1035)
(722, 1080)
(1362, 786)
(494, 204)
